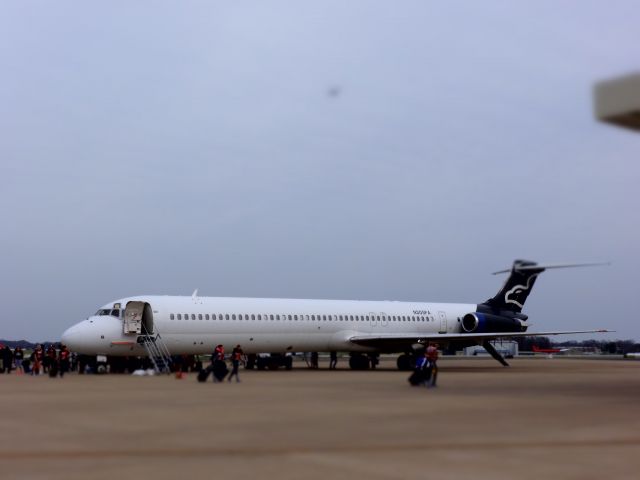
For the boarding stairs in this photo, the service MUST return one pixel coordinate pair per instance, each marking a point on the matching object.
(156, 350)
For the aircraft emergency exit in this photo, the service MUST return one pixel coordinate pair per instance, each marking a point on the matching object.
(194, 325)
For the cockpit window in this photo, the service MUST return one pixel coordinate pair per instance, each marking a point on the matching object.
(108, 311)
(103, 312)
(115, 313)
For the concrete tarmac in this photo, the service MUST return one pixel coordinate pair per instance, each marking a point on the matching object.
(540, 418)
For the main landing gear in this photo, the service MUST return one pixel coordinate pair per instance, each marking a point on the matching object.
(271, 361)
(358, 361)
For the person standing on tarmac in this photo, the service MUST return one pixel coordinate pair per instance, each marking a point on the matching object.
(236, 358)
(50, 360)
(333, 355)
(7, 357)
(63, 360)
(18, 357)
(38, 356)
(217, 364)
(218, 353)
(314, 360)
(432, 358)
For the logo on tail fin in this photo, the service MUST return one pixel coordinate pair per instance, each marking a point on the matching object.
(513, 294)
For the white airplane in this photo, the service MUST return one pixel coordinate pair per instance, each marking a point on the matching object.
(194, 325)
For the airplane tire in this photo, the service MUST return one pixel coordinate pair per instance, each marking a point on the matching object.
(261, 363)
(359, 362)
(251, 362)
(288, 363)
(273, 365)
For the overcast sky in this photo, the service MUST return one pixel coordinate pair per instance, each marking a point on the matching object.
(353, 150)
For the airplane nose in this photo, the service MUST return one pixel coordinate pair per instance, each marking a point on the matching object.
(71, 336)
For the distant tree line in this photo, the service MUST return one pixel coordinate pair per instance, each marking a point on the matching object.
(25, 344)
(607, 346)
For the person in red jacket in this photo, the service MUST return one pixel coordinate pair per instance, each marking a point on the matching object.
(218, 353)
(236, 358)
(38, 356)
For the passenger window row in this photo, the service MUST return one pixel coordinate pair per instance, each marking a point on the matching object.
(294, 317)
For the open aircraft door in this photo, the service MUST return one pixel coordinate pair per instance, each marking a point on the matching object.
(133, 315)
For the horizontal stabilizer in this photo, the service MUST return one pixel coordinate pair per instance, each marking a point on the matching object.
(524, 268)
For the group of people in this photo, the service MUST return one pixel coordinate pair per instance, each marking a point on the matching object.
(218, 368)
(52, 361)
(425, 372)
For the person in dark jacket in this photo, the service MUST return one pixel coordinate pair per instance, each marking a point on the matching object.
(333, 356)
(63, 360)
(7, 358)
(50, 359)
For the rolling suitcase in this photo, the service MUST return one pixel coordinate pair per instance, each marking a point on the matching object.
(416, 378)
(204, 374)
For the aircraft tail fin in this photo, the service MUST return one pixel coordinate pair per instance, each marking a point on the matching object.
(523, 275)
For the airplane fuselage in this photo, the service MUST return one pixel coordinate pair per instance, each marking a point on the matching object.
(194, 325)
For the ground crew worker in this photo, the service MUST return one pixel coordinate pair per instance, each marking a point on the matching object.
(333, 355)
(432, 358)
(236, 358)
(63, 360)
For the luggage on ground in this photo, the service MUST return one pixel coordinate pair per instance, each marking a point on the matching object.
(204, 374)
(416, 378)
(220, 370)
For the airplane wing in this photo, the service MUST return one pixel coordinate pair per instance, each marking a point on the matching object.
(393, 338)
